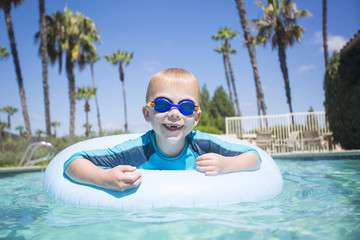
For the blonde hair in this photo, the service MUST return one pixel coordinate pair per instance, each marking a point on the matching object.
(174, 77)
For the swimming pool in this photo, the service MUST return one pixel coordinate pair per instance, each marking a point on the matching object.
(321, 200)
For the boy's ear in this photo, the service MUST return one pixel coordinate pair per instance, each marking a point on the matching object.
(146, 113)
(197, 117)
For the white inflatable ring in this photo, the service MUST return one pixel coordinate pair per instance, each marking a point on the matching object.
(186, 188)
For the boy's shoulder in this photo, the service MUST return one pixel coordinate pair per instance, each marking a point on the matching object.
(197, 135)
(142, 140)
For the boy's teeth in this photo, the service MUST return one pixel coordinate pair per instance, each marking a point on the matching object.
(173, 126)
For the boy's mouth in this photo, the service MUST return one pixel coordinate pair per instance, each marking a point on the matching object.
(172, 127)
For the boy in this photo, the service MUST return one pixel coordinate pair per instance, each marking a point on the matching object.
(173, 99)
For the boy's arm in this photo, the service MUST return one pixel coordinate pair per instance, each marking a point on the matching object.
(214, 164)
(119, 178)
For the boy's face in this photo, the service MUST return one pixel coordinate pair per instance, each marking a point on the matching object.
(172, 126)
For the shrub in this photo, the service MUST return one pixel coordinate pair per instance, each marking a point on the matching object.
(209, 129)
(342, 99)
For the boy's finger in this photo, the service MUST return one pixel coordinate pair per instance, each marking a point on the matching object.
(132, 184)
(206, 156)
(137, 182)
(211, 173)
(127, 168)
(131, 178)
(205, 162)
(205, 168)
(200, 163)
(201, 158)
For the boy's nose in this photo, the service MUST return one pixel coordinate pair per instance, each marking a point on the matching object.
(174, 112)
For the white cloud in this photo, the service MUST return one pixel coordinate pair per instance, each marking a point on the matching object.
(246, 104)
(38, 117)
(306, 68)
(134, 127)
(149, 69)
(139, 127)
(18, 120)
(318, 38)
(111, 126)
(150, 66)
(335, 43)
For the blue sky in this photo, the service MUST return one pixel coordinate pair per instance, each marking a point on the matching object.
(163, 34)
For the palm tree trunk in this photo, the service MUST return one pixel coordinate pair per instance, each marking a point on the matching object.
(284, 70)
(325, 33)
(244, 23)
(228, 81)
(14, 53)
(71, 78)
(44, 60)
(87, 109)
(9, 126)
(2, 141)
(96, 101)
(122, 79)
(232, 78)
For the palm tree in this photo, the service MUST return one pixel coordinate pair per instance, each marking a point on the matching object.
(20, 129)
(325, 44)
(86, 93)
(55, 125)
(2, 126)
(279, 24)
(6, 5)
(75, 35)
(3, 53)
(244, 23)
(44, 60)
(226, 34)
(91, 59)
(88, 129)
(55, 34)
(120, 58)
(10, 111)
(38, 133)
(222, 49)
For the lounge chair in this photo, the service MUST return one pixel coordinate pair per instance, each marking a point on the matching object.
(264, 139)
(311, 140)
(289, 144)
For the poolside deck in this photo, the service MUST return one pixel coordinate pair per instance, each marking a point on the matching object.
(303, 134)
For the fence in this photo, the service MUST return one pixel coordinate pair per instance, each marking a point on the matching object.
(296, 132)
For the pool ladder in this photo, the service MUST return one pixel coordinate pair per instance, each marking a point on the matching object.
(30, 151)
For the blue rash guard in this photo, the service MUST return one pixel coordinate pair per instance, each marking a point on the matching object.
(144, 153)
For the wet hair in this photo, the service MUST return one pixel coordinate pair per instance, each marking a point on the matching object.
(175, 77)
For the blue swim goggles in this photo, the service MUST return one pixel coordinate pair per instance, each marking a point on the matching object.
(186, 107)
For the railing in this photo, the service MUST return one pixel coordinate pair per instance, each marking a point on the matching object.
(30, 150)
(297, 132)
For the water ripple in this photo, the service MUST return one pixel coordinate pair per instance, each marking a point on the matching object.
(320, 198)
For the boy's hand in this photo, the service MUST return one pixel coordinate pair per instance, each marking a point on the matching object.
(210, 163)
(213, 164)
(121, 178)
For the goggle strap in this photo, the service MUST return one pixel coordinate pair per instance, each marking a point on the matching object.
(151, 104)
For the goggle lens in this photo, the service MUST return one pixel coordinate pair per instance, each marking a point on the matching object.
(186, 107)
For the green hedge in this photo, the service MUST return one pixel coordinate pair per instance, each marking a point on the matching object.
(342, 98)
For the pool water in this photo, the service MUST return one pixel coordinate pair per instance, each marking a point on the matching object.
(320, 200)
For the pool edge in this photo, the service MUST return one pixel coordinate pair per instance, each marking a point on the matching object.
(348, 155)
(22, 169)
